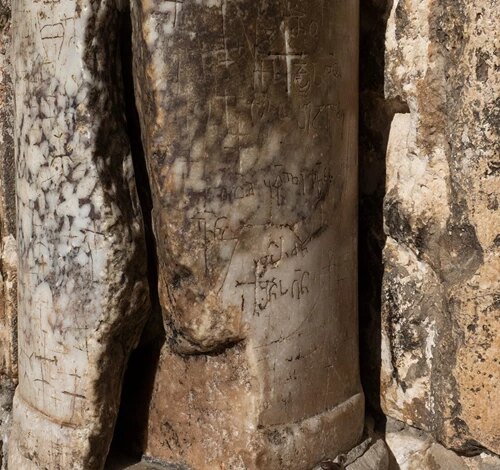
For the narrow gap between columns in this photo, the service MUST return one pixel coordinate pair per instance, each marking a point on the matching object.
(376, 114)
(130, 434)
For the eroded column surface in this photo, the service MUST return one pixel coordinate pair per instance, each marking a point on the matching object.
(8, 303)
(82, 293)
(249, 113)
(441, 346)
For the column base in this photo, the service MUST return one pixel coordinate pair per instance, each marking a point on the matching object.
(297, 446)
(39, 443)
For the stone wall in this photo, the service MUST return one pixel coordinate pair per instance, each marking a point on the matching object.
(441, 317)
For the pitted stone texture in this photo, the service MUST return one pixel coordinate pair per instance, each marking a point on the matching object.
(441, 346)
(249, 112)
(82, 273)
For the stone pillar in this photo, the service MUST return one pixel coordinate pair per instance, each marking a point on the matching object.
(82, 272)
(441, 312)
(249, 122)
(8, 267)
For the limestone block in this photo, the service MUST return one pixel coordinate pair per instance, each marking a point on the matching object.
(441, 314)
(249, 113)
(82, 273)
(415, 450)
(484, 461)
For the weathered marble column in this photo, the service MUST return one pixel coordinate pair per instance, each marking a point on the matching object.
(82, 292)
(441, 316)
(249, 121)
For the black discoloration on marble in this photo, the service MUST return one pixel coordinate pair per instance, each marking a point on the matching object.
(248, 114)
(83, 272)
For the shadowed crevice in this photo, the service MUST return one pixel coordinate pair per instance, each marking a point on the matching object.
(375, 118)
(130, 435)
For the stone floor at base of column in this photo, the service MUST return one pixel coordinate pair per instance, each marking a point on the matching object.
(400, 447)
(125, 464)
(372, 454)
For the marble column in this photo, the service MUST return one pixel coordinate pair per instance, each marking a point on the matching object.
(82, 272)
(249, 123)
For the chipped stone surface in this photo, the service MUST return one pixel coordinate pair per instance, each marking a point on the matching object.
(484, 461)
(369, 455)
(120, 463)
(413, 449)
(441, 315)
(375, 458)
(82, 274)
(8, 259)
(249, 114)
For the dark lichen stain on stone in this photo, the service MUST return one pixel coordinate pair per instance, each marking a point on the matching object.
(482, 66)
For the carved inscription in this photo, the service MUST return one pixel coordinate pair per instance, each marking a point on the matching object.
(80, 237)
(250, 148)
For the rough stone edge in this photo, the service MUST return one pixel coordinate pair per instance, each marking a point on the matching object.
(8, 374)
